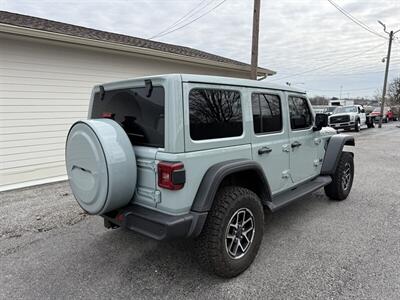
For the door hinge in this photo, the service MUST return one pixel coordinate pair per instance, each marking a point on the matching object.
(285, 148)
(286, 174)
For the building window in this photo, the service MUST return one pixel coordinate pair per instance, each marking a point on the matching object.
(300, 113)
(267, 113)
(214, 113)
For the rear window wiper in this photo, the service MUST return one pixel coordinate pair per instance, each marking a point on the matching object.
(102, 92)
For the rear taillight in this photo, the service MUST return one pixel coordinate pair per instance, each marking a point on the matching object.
(171, 175)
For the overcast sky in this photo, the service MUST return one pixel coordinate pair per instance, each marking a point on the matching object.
(295, 36)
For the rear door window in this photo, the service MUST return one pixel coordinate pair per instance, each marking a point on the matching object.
(214, 113)
(140, 115)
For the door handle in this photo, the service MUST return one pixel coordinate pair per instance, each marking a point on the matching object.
(263, 150)
(296, 144)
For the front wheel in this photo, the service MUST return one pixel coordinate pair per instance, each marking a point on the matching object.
(342, 179)
(357, 126)
(232, 233)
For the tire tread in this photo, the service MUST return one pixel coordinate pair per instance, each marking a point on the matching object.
(334, 190)
(208, 244)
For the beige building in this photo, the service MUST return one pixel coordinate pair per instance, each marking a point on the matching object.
(47, 70)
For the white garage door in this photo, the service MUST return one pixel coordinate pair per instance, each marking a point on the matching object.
(44, 88)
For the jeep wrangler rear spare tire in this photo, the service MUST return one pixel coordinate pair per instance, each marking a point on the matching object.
(342, 179)
(101, 165)
(233, 231)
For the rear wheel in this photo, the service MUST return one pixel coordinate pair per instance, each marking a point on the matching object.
(232, 233)
(342, 180)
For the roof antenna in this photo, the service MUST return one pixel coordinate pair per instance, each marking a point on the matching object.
(149, 87)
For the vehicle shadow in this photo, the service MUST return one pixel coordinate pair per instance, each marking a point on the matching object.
(165, 268)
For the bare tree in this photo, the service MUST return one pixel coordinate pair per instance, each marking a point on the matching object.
(319, 100)
(214, 106)
(394, 91)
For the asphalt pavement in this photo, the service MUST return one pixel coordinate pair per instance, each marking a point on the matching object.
(312, 249)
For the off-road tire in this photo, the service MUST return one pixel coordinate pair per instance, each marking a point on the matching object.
(336, 189)
(357, 126)
(211, 245)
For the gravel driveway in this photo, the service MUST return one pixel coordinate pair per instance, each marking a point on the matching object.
(314, 248)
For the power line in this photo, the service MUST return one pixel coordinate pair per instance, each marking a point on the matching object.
(190, 13)
(353, 68)
(328, 65)
(365, 73)
(347, 90)
(202, 15)
(341, 61)
(318, 57)
(355, 20)
(194, 20)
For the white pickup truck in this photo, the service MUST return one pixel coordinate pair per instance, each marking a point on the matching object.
(350, 117)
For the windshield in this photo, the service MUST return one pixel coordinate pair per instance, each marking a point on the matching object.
(378, 109)
(141, 116)
(331, 109)
(346, 109)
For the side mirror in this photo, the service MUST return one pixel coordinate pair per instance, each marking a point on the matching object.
(321, 120)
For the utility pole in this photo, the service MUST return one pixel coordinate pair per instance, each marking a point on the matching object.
(391, 36)
(386, 77)
(254, 43)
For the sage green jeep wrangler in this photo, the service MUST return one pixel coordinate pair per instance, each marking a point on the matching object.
(188, 156)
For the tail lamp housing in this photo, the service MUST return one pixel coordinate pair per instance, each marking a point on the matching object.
(171, 175)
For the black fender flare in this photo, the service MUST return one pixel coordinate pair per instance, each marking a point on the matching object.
(215, 175)
(333, 152)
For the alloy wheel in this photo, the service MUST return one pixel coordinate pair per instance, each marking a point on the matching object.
(239, 233)
(346, 177)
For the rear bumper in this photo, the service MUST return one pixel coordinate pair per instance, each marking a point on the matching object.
(157, 225)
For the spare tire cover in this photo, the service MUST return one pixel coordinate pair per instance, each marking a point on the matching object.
(101, 165)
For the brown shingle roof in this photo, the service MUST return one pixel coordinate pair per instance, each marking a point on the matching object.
(84, 32)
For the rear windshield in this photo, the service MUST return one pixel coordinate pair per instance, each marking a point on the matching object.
(141, 116)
